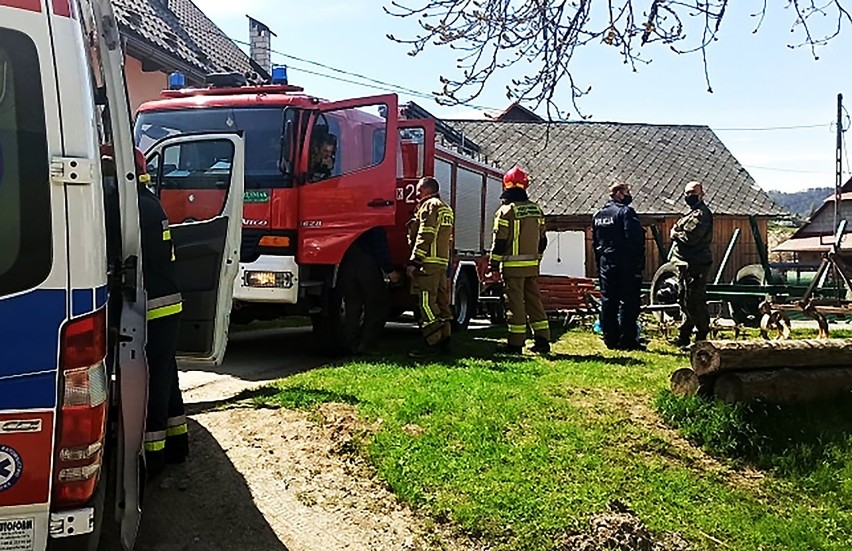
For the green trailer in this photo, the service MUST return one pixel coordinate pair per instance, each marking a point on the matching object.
(761, 294)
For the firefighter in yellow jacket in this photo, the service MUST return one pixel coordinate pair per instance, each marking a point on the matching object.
(519, 242)
(430, 234)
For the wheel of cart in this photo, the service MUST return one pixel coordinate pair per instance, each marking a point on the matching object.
(664, 292)
(744, 308)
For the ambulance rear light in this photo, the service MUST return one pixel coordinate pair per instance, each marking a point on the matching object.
(80, 454)
(81, 423)
(79, 474)
(84, 341)
(74, 485)
(85, 387)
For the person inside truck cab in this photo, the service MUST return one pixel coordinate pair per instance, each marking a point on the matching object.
(323, 155)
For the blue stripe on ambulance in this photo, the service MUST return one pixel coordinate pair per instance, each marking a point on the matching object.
(28, 368)
(82, 301)
(100, 297)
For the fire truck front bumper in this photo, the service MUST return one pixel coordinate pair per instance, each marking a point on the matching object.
(271, 279)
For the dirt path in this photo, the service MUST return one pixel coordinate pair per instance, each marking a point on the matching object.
(272, 480)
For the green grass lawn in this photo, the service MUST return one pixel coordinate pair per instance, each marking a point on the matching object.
(520, 452)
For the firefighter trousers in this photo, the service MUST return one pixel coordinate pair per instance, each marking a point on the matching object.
(166, 435)
(434, 301)
(523, 304)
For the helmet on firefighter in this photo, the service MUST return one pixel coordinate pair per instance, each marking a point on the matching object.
(138, 160)
(515, 178)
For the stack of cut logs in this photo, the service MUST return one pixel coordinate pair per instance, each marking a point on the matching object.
(773, 371)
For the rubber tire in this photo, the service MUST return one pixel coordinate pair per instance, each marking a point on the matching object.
(745, 310)
(660, 282)
(328, 327)
(464, 303)
(496, 311)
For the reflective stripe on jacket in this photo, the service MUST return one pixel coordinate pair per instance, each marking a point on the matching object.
(432, 229)
(519, 238)
(158, 258)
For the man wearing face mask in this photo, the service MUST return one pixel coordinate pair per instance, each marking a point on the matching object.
(619, 243)
(692, 236)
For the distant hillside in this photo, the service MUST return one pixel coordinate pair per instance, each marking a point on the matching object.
(804, 202)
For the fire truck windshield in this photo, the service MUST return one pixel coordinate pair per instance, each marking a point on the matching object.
(262, 128)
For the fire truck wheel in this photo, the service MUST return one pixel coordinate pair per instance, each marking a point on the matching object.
(328, 326)
(496, 310)
(464, 303)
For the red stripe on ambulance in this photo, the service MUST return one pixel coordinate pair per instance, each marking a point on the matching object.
(31, 5)
(62, 7)
(25, 470)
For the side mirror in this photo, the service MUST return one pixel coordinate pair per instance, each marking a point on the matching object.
(285, 161)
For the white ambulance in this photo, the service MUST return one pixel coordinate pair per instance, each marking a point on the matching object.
(73, 377)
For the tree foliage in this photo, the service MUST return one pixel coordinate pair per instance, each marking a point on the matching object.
(493, 35)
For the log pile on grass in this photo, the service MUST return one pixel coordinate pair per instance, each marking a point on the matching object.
(783, 372)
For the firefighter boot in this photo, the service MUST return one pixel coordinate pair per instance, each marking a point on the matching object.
(509, 349)
(541, 346)
(428, 351)
(446, 345)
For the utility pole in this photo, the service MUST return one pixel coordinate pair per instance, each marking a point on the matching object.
(838, 182)
(838, 187)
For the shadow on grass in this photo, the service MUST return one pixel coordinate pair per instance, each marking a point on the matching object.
(295, 397)
(598, 358)
(809, 444)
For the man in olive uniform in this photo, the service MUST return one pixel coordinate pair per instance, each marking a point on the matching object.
(692, 236)
(519, 242)
(431, 233)
(166, 435)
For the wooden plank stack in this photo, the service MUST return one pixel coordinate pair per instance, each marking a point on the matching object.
(566, 294)
(792, 371)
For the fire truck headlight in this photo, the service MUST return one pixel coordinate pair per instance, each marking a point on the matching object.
(276, 280)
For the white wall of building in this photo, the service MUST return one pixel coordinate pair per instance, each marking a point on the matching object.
(565, 254)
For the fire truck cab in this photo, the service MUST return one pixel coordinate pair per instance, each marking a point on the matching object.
(73, 374)
(319, 174)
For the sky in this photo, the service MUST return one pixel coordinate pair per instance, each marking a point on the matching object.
(758, 81)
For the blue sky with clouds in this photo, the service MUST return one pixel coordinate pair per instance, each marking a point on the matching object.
(758, 81)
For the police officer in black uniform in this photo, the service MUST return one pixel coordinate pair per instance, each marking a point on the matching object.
(619, 243)
(166, 436)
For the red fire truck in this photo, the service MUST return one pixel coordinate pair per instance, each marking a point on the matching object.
(318, 174)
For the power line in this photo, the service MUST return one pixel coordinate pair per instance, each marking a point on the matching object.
(773, 128)
(787, 170)
(391, 87)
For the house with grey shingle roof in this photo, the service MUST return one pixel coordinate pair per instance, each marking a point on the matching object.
(572, 164)
(816, 237)
(162, 36)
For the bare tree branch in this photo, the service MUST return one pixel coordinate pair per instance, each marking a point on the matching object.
(541, 37)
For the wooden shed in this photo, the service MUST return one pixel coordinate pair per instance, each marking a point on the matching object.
(572, 164)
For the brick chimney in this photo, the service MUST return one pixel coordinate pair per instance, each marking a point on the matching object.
(261, 44)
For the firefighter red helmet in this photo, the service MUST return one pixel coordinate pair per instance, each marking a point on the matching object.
(138, 160)
(515, 178)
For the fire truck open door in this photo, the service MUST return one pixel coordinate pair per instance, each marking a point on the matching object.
(200, 182)
(347, 175)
